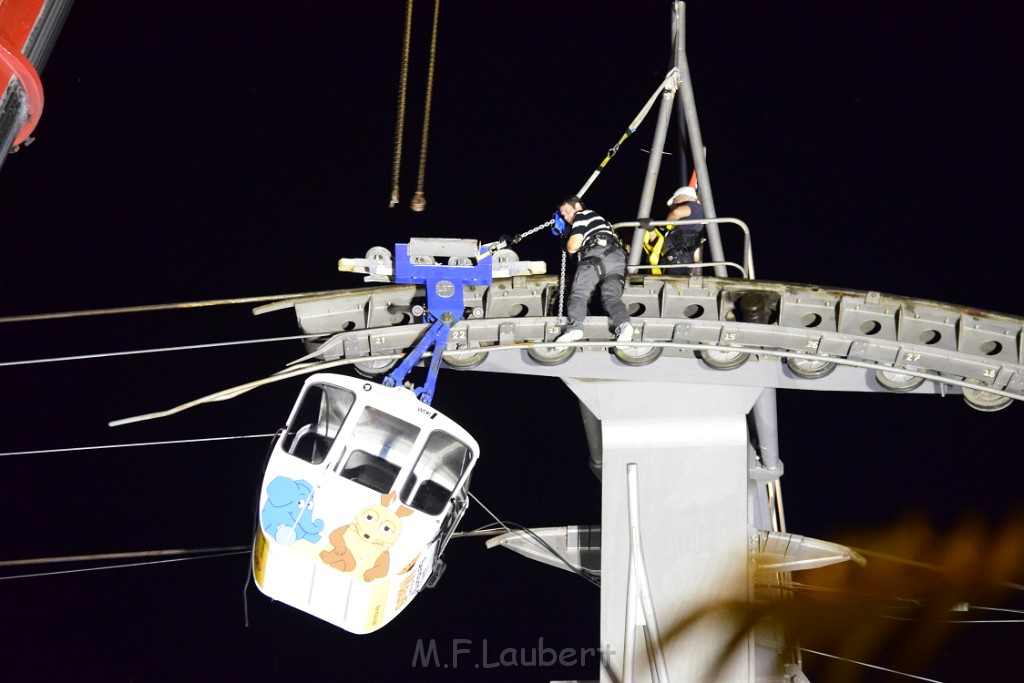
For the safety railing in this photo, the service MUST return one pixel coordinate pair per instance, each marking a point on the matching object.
(748, 255)
(695, 266)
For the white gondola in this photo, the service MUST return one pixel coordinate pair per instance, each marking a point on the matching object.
(362, 492)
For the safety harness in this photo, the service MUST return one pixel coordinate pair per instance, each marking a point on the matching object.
(672, 245)
(597, 244)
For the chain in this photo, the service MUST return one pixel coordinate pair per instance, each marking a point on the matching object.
(561, 274)
(561, 286)
(501, 244)
(547, 224)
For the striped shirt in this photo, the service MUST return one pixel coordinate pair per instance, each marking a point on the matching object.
(590, 225)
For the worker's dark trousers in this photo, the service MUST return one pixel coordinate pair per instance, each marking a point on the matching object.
(588, 278)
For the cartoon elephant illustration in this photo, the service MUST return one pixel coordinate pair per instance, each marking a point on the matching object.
(362, 548)
(288, 513)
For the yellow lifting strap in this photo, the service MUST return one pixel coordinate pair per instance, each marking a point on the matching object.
(654, 241)
(419, 201)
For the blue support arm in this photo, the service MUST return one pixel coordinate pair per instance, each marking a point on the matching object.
(445, 306)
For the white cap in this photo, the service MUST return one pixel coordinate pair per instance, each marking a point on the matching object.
(685, 191)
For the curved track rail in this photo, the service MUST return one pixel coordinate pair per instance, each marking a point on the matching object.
(699, 330)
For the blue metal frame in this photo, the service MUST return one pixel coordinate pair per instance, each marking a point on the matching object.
(445, 307)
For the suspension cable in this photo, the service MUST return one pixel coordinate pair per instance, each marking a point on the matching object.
(925, 565)
(176, 552)
(871, 666)
(908, 603)
(172, 442)
(170, 555)
(957, 621)
(419, 202)
(189, 347)
(240, 389)
(156, 307)
(403, 82)
(582, 573)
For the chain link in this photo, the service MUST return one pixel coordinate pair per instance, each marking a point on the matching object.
(561, 274)
(561, 287)
(548, 224)
(492, 246)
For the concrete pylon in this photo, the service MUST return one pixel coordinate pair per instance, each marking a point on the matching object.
(690, 446)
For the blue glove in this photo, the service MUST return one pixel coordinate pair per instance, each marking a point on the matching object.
(558, 229)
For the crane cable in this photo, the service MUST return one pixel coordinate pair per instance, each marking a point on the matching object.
(403, 81)
(419, 201)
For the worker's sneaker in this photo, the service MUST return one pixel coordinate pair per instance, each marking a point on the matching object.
(571, 336)
(624, 333)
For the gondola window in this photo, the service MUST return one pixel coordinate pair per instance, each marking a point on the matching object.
(381, 445)
(437, 472)
(315, 424)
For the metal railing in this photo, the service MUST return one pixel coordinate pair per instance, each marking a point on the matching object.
(696, 266)
(748, 255)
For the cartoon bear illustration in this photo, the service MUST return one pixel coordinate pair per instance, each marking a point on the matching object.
(288, 513)
(362, 547)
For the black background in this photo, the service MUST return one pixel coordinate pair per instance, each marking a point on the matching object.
(239, 149)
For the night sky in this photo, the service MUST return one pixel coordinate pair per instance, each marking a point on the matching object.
(239, 149)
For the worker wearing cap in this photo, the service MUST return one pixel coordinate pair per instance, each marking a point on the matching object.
(676, 244)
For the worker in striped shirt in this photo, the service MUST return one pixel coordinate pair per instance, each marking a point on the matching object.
(601, 266)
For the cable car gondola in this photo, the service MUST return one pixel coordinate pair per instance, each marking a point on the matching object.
(361, 493)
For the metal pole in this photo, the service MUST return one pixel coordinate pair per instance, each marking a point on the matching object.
(629, 638)
(636, 248)
(641, 587)
(766, 421)
(689, 107)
